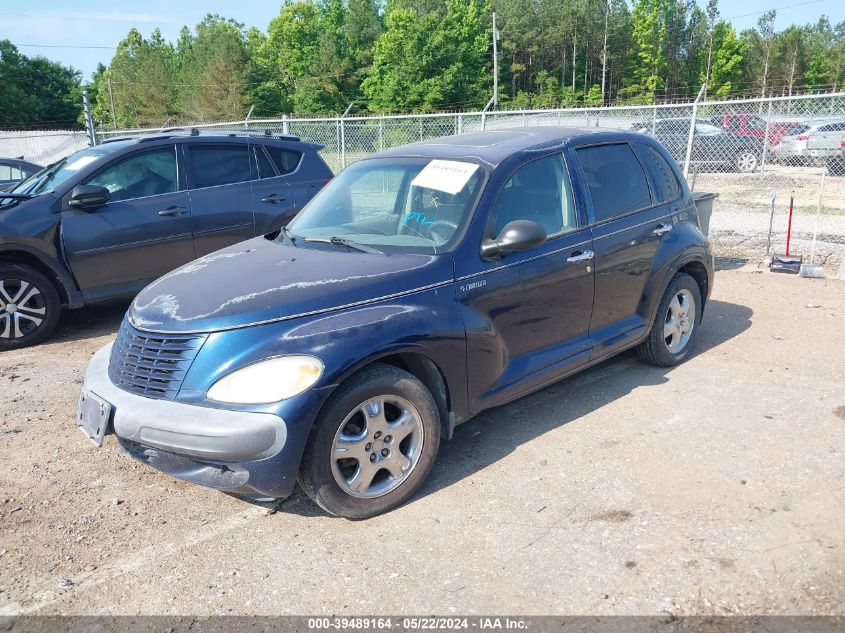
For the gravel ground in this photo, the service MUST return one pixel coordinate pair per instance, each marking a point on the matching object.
(712, 488)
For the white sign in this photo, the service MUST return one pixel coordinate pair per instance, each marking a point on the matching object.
(445, 175)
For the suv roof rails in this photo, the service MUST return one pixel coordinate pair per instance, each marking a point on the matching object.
(245, 132)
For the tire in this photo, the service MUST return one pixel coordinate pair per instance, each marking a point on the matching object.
(668, 350)
(746, 161)
(29, 306)
(340, 486)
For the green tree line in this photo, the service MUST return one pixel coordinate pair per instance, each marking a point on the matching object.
(319, 56)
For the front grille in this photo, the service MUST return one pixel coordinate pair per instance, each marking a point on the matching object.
(150, 364)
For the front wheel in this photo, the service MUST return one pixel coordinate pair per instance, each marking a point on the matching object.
(373, 444)
(29, 306)
(746, 162)
(672, 337)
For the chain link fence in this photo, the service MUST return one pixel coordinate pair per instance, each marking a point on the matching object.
(758, 155)
(41, 147)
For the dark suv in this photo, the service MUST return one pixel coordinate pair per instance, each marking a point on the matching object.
(422, 286)
(106, 221)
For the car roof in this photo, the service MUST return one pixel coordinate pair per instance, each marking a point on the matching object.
(186, 133)
(18, 162)
(494, 146)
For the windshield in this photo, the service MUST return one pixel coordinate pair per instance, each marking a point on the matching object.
(397, 204)
(51, 177)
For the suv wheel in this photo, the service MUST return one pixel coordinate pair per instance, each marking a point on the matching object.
(746, 162)
(672, 337)
(29, 306)
(372, 445)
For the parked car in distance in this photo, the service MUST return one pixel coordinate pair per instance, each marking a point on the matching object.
(713, 147)
(746, 124)
(423, 285)
(107, 220)
(13, 170)
(827, 144)
(792, 148)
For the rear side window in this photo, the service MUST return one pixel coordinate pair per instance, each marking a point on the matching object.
(139, 175)
(615, 179)
(666, 185)
(287, 160)
(265, 169)
(833, 127)
(7, 172)
(220, 164)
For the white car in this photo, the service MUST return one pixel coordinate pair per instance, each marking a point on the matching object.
(792, 147)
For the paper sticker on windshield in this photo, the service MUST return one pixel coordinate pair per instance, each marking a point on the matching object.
(80, 162)
(445, 175)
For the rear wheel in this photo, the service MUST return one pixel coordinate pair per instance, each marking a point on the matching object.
(672, 337)
(373, 444)
(29, 306)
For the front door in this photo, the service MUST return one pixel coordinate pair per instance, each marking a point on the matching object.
(627, 228)
(527, 314)
(142, 233)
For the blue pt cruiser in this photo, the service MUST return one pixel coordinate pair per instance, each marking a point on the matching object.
(422, 286)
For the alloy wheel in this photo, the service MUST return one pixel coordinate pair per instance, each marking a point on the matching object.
(22, 308)
(747, 162)
(377, 446)
(680, 321)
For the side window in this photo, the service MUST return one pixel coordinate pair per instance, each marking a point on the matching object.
(539, 191)
(615, 179)
(220, 164)
(666, 184)
(146, 174)
(265, 169)
(286, 160)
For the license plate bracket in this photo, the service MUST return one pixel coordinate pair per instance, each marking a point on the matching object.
(93, 414)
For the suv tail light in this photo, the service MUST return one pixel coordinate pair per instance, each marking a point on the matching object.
(801, 137)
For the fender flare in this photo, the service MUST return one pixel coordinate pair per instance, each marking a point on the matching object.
(59, 272)
(671, 270)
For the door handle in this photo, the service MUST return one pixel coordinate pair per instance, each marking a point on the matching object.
(173, 211)
(273, 198)
(663, 228)
(580, 256)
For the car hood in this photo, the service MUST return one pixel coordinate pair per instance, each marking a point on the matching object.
(260, 280)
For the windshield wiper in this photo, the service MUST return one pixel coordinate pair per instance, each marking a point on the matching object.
(289, 235)
(340, 241)
(16, 196)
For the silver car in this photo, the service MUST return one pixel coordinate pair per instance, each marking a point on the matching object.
(792, 147)
(827, 145)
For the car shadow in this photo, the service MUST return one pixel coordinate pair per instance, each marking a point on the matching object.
(90, 322)
(494, 434)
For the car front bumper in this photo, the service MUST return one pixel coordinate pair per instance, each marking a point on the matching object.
(237, 451)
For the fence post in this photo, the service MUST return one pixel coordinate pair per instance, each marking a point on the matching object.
(766, 137)
(421, 128)
(460, 124)
(89, 120)
(381, 132)
(285, 124)
(342, 143)
(692, 130)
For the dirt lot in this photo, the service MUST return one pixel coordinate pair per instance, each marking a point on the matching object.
(717, 487)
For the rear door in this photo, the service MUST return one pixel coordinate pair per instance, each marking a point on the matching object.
(273, 201)
(143, 232)
(627, 226)
(220, 180)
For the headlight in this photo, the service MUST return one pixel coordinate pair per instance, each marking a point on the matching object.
(270, 380)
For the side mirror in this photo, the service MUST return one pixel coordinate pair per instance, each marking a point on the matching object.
(88, 196)
(518, 235)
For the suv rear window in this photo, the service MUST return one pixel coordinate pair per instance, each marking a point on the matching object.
(616, 181)
(287, 160)
(220, 164)
(666, 184)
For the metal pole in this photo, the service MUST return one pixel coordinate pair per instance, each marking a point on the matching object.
(692, 129)
(89, 120)
(484, 113)
(248, 114)
(766, 137)
(285, 124)
(343, 136)
(495, 64)
(111, 99)
(381, 132)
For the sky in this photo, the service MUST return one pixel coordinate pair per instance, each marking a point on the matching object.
(88, 34)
